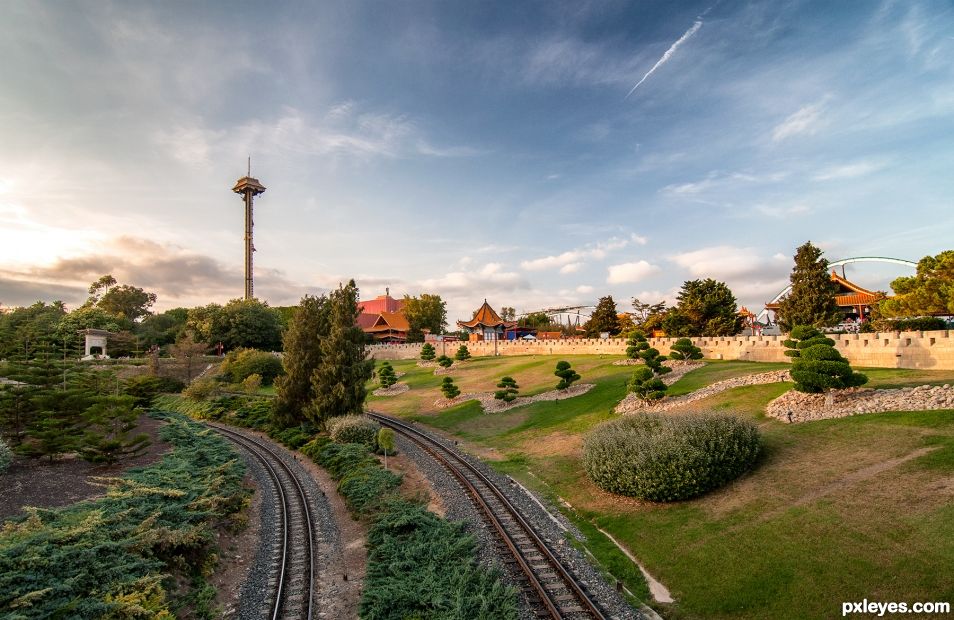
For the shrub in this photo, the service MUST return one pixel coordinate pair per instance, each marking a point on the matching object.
(509, 391)
(203, 389)
(251, 384)
(427, 352)
(802, 337)
(386, 375)
(646, 385)
(294, 437)
(241, 363)
(6, 456)
(639, 349)
(567, 375)
(386, 441)
(314, 447)
(683, 349)
(463, 353)
(444, 361)
(361, 479)
(667, 458)
(820, 367)
(354, 429)
(918, 324)
(143, 388)
(449, 389)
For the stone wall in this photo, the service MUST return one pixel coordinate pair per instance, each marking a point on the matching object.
(929, 350)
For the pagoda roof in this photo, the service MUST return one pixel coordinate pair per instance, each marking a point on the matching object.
(849, 294)
(485, 316)
(849, 287)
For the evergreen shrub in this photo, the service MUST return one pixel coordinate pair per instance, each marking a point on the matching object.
(449, 389)
(567, 375)
(354, 429)
(427, 352)
(463, 353)
(668, 458)
(508, 391)
(645, 385)
(444, 361)
(6, 456)
(386, 375)
(145, 387)
(683, 349)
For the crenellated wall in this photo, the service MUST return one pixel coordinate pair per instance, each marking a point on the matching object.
(929, 350)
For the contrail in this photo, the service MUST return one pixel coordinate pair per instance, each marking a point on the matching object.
(665, 57)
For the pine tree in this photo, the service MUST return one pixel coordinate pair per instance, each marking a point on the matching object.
(302, 355)
(107, 439)
(604, 319)
(683, 349)
(646, 385)
(444, 361)
(802, 337)
(386, 375)
(812, 298)
(339, 380)
(639, 349)
(449, 389)
(567, 375)
(509, 389)
(427, 352)
(463, 353)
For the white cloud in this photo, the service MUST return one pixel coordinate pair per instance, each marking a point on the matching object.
(630, 272)
(490, 277)
(783, 211)
(571, 268)
(572, 260)
(804, 121)
(584, 289)
(848, 171)
(725, 262)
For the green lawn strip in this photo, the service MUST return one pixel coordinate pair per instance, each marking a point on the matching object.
(890, 378)
(142, 550)
(715, 371)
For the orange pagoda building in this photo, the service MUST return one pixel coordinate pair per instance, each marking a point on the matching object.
(383, 318)
(486, 324)
(854, 301)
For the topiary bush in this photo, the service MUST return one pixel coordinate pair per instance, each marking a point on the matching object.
(639, 349)
(240, 363)
(449, 389)
(444, 361)
(508, 391)
(802, 337)
(646, 385)
(567, 375)
(820, 367)
(354, 429)
(668, 458)
(6, 456)
(386, 375)
(683, 349)
(427, 352)
(463, 353)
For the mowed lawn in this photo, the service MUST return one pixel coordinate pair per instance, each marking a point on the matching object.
(837, 510)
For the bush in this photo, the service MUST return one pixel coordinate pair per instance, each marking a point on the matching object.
(509, 391)
(362, 480)
(203, 389)
(802, 337)
(354, 429)
(427, 352)
(386, 441)
(918, 324)
(241, 363)
(251, 384)
(666, 458)
(294, 437)
(444, 361)
(567, 375)
(683, 349)
(386, 375)
(6, 456)
(820, 367)
(463, 353)
(145, 387)
(449, 389)
(645, 385)
(639, 349)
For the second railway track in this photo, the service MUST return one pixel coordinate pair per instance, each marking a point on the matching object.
(292, 582)
(553, 590)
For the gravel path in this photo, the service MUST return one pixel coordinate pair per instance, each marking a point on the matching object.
(550, 525)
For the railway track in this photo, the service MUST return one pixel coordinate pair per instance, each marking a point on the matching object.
(552, 590)
(293, 579)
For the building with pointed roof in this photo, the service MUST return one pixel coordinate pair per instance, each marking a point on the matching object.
(487, 324)
(382, 318)
(855, 301)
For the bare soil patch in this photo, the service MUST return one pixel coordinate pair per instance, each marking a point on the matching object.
(236, 555)
(42, 484)
(414, 484)
(555, 444)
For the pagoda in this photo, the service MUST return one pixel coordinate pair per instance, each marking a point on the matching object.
(854, 301)
(486, 324)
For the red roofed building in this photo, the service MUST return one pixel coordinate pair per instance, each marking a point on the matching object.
(381, 303)
(383, 318)
(854, 301)
(486, 324)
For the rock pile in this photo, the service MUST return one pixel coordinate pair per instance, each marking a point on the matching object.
(394, 390)
(632, 404)
(493, 405)
(795, 406)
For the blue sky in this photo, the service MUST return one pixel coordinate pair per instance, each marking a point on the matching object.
(475, 150)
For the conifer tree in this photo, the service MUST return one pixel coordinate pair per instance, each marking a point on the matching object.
(386, 375)
(646, 385)
(567, 375)
(302, 355)
(427, 352)
(812, 298)
(683, 349)
(444, 361)
(508, 391)
(603, 319)
(639, 349)
(463, 353)
(339, 380)
(449, 389)
(108, 422)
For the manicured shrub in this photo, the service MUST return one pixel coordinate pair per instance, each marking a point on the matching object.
(449, 389)
(427, 352)
(683, 349)
(567, 375)
(354, 429)
(820, 367)
(509, 389)
(386, 375)
(6, 456)
(463, 353)
(646, 385)
(386, 441)
(802, 337)
(639, 349)
(667, 458)
(444, 361)
(241, 363)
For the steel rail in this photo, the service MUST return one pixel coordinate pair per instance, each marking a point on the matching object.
(257, 448)
(439, 451)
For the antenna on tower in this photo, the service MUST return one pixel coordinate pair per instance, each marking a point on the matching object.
(249, 166)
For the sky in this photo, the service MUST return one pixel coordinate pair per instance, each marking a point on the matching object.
(535, 154)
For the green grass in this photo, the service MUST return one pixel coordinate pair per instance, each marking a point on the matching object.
(807, 529)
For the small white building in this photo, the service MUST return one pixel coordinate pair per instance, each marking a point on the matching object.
(95, 347)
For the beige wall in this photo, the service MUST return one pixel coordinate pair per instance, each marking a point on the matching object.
(932, 350)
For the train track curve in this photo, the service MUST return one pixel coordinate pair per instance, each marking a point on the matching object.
(552, 589)
(294, 572)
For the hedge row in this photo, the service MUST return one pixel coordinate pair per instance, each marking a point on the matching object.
(419, 565)
(666, 458)
(139, 552)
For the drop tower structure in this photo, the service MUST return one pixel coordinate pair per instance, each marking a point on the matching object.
(248, 187)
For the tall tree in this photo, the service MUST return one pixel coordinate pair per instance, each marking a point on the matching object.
(25, 329)
(424, 312)
(127, 302)
(247, 323)
(603, 319)
(648, 317)
(302, 345)
(188, 354)
(704, 308)
(339, 380)
(812, 299)
(100, 287)
(508, 313)
(929, 292)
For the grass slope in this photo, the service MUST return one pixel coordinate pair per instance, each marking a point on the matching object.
(837, 510)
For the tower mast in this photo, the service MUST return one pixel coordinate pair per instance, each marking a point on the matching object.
(248, 187)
